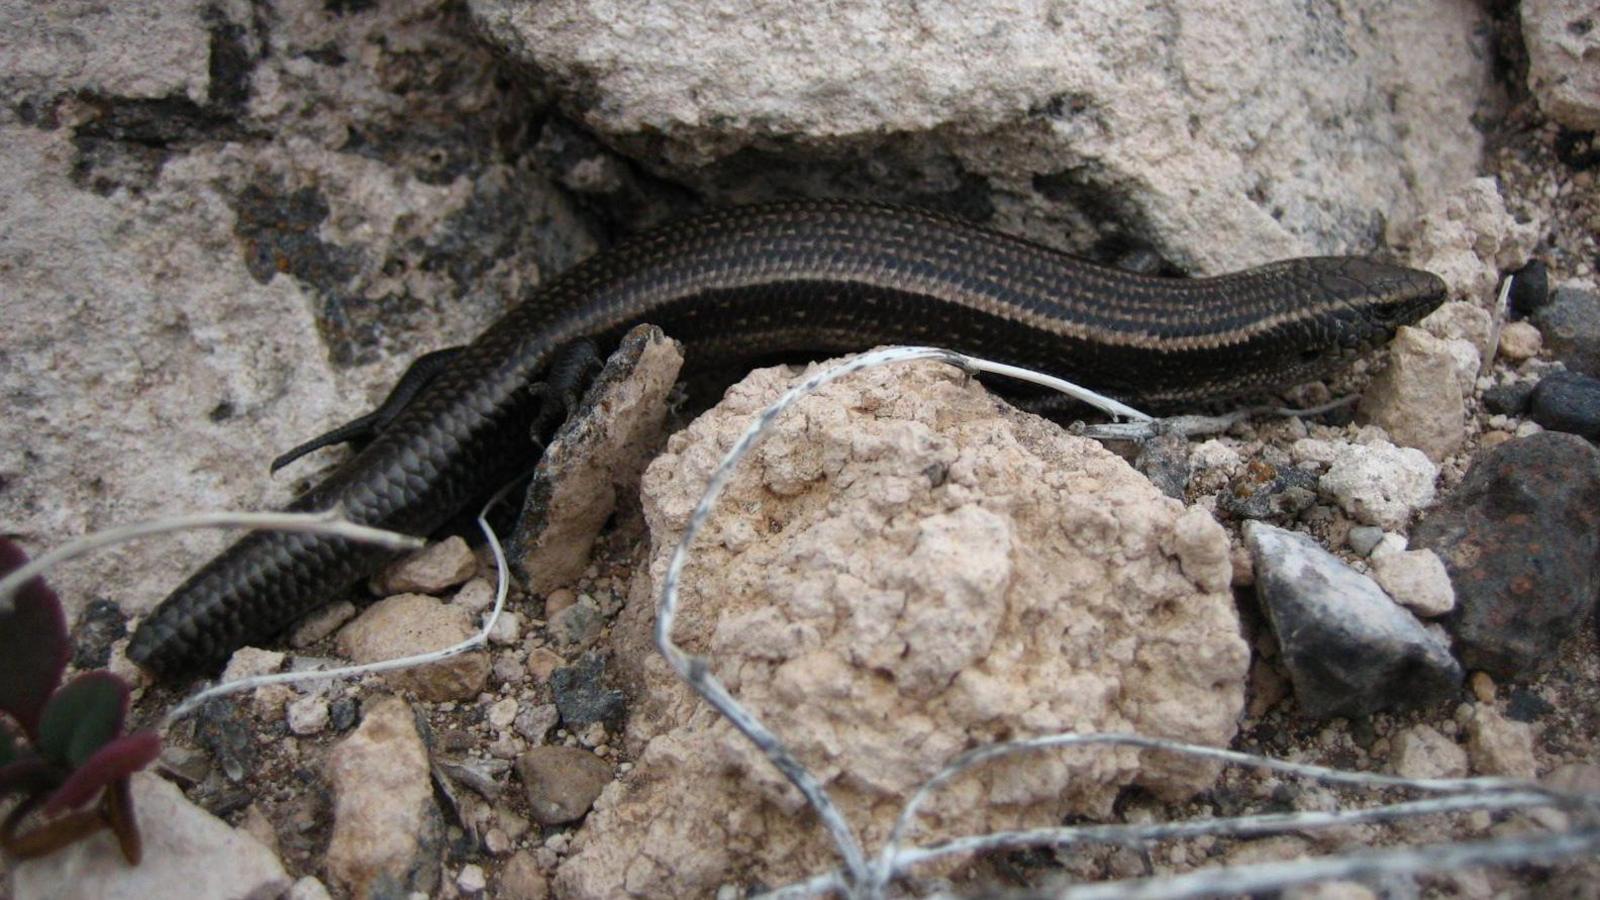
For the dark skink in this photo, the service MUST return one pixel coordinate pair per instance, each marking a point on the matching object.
(807, 277)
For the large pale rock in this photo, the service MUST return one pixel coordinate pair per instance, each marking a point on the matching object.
(187, 853)
(1227, 133)
(1563, 41)
(223, 232)
(902, 570)
(386, 829)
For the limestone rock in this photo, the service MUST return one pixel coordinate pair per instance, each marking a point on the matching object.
(1109, 120)
(1417, 580)
(1378, 483)
(1563, 41)
(386, 829)
(902, 569)
(1499, 746)
(1350, 650)
(407, 624)
(187, 853)
(1418, 398)
(1420, 751)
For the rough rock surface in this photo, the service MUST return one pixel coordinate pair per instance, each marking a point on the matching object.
(1563, 41)
(1418, 398)
(1455, 238)
(1570, 327)
(224, 231)
(1116, 121)
(386, 829)
(431, 570)
(1350, 650)
(902, 569)
(408, 624)
(595, 460)
(187, 853)
(1521, 538)
(1417, 580)
(1422, 752)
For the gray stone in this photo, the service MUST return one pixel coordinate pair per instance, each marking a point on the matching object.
(187, 853)
(1570, 327)
(1350, 650)
(1119, 121)
(576, 627)
(562, 782)
(536, 723)
(1265, 491)
(1569, 402)
(1362, 538)
(1520, 537)
(1508, 399)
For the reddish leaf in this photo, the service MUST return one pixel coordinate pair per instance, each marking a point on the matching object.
(33, 644)
(82, 717)
(118, 810)
(116, 760)
(29, 775)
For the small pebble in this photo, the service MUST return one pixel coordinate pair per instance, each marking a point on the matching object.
(557, 600)
(308, 715)
(1417, 580)
(542, 662)
(475, 596)
(1520, 341)
(431, 570)
(343, 713)
(503, 713)
(1507, 400)
(471, 880)
(1530, 289)
(507, 629)
(1482, 687)
(1362, 538)
(321, 623)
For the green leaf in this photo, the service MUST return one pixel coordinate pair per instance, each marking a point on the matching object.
(33, 644)
(82, 717)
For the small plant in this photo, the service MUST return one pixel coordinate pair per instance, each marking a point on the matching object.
(62, 747)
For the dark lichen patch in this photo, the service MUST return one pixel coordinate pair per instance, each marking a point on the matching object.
(279, 231)
(125, 142)
(230, 65)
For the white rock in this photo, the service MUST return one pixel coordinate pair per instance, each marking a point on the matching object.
(1417, 580)
(308, 715)
(1150, 114)
(1420, 751)
(502, 713)
(308, 888)
(1520, 341)
(187, 853)
(1418, 399)
(475, 596)
(1563, 43)
(507, 629)
(1380, 484)
(1039, 584)
(248, 662)
(471, 880)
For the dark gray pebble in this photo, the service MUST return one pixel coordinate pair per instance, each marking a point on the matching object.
(1570, 402)
(1520, 537)
(344, 713)
(1508, 399)
(582, 697)
(101, 624)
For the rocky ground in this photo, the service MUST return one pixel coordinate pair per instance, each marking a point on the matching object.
(228, 225)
